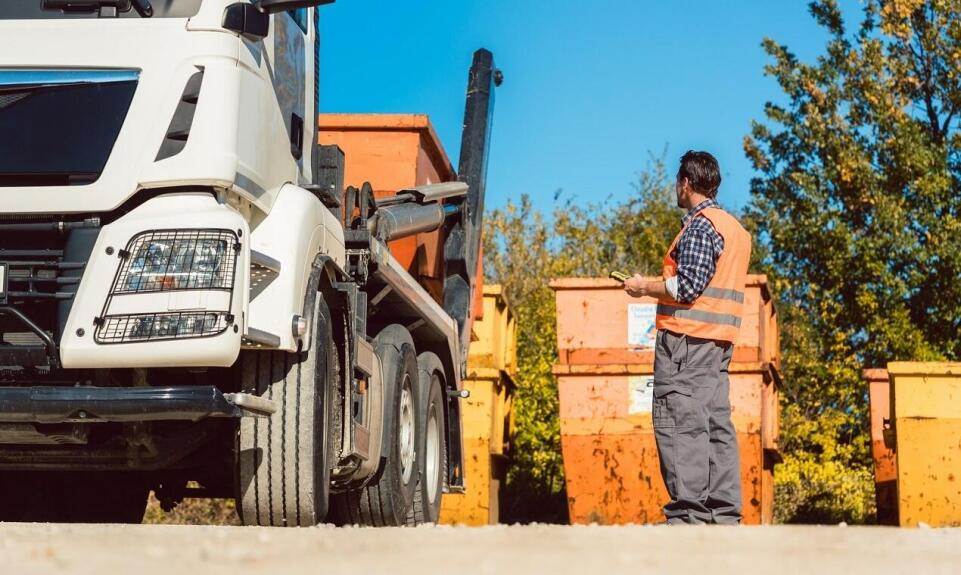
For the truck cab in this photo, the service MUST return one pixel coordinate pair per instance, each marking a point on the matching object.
(186, 286)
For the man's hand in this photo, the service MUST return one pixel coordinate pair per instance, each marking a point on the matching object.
(636, 286)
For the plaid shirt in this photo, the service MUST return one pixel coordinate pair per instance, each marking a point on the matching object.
(696, 253)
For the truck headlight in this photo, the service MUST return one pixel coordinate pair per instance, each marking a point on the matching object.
(178, 260)
(171, 260)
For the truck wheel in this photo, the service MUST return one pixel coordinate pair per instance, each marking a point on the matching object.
(388, 499)
(284, 460)
(433, 434)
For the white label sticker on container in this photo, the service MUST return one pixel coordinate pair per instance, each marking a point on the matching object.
(641, 392)
(641, 325)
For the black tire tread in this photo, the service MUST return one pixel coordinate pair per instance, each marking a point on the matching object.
(377, 503)
(429, 364)
(276, 467)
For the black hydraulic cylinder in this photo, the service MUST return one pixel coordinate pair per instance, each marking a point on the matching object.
(403, 220)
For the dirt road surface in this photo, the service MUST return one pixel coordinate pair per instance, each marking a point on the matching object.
(26, 549)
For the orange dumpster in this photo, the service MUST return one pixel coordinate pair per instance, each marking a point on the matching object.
(394, 152)
(882, 446)
(605, 385)
(487, 414)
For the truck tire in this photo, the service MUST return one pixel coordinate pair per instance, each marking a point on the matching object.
(284, 461)
(72, 497)
(432, 432)
(388, 499)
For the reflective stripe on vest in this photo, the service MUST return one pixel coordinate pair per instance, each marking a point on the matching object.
(716, 313)
(720, 293)
(698, 315)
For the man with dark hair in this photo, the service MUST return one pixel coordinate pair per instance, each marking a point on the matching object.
(698, 316)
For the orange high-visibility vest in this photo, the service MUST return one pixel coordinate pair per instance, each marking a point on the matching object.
(716, 314)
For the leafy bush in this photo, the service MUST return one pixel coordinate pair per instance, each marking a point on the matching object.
(193, 512)
(821, 480)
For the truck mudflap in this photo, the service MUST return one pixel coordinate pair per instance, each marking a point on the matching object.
(50, 404)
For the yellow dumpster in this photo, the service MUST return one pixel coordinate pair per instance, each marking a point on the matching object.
(926, 417)
(487, 414)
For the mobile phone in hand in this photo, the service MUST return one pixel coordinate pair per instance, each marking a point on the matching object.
(619, 276)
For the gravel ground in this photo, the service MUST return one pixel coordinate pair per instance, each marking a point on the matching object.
(162, 549)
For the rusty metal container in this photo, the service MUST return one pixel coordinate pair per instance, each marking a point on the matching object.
(605, 384)
(882, 446)
(926, 417)
(487, 414)
(394, 152)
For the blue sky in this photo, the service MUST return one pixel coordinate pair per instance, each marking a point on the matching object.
(591, 88)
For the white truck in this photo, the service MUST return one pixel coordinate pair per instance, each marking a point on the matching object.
(190, 303)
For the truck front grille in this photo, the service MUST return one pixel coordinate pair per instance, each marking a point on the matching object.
(38, 274)
(44, 262)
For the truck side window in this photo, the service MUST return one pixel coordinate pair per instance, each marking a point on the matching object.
(300, 17)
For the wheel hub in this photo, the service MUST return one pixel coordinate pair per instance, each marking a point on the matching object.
(433, 454)
(406, 431)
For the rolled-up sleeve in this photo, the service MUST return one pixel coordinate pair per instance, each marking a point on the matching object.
(670, 284)
(696, 254)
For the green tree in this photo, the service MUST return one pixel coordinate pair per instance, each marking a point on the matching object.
(516, 255)
(630, 236)
(522, 251)
(855, 204)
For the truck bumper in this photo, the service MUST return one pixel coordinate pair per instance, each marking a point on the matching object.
(124, 404)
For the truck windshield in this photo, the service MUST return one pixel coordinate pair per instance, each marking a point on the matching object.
(37, 10)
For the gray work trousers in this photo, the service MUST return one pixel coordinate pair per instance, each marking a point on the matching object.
(696, 440)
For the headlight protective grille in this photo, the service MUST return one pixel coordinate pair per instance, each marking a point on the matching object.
(169, 260)
(135, 328)
(172, 260)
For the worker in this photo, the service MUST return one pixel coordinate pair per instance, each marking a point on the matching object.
(699, 308)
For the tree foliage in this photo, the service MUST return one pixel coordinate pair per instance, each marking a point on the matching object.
(522, 251)
(516, 255)
(855, 203)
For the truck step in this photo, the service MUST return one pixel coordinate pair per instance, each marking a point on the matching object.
(253, 403)
(260, 338)
(261, 259)
(263, 270)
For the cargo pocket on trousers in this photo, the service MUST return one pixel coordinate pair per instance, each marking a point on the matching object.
(702, 354)
(670, 402)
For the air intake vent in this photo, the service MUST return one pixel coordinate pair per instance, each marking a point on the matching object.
(22, 338)
(179, 129)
